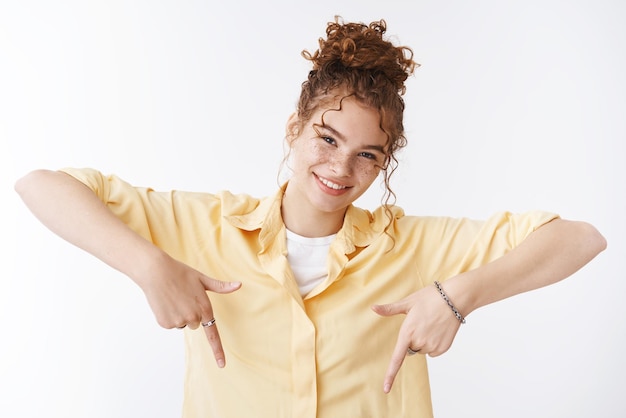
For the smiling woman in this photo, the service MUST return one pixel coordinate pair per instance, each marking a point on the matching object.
(283, 298)
(335, 159)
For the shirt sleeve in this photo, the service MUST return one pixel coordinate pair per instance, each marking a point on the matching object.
(449, 246)
(170, 220)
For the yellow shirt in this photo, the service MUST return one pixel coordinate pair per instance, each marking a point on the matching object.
(324, 355)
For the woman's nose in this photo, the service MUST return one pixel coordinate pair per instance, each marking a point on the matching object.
(341, 164)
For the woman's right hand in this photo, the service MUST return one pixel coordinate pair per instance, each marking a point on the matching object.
(177, 295)
(176, 292)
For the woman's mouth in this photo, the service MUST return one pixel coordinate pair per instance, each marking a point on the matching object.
(331, 185)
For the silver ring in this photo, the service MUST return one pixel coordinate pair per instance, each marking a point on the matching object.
(209, 323)
(410, 351)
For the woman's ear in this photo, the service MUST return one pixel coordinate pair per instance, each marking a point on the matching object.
(292, 129)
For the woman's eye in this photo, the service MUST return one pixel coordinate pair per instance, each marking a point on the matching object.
(328, 140)
(368, 155)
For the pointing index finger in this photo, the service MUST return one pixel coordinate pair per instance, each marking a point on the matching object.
(397, 358)
(213, 336)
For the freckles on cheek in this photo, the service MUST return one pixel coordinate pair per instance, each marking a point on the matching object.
(371, 172)
(315, 154)
(307, 155)
(367, 169)
(319, 151)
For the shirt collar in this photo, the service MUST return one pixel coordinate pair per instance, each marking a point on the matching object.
(265, 215)
(360, 227)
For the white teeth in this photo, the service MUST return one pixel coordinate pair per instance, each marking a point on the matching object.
(331, 184)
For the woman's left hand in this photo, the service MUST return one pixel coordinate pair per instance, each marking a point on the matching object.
(429, 327)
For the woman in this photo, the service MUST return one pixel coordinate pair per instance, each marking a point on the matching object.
(318, 303)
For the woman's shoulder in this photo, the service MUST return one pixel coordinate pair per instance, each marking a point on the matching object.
(116, 187)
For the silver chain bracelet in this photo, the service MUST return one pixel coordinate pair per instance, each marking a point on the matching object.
(445, 297)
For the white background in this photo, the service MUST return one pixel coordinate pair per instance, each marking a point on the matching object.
(517, 105)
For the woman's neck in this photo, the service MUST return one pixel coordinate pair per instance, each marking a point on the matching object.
(306, 221)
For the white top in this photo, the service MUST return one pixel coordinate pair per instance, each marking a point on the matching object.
(307, 258)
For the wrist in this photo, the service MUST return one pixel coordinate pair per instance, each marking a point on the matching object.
(459, 316)
(459, 293)
(146, 258)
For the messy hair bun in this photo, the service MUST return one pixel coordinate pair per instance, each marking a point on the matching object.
(356, 60)
(357, 47)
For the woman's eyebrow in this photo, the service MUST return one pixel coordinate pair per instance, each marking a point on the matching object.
(334, 132)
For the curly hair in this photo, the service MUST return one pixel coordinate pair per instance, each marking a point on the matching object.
(359, 61)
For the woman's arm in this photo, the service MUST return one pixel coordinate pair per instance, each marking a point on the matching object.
(72, 211)
(553, 252)
(176, 292)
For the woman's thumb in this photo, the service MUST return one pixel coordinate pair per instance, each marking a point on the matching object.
(219, 286)
(390, 309)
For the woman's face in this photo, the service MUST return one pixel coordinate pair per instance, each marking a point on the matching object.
(334, 161)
